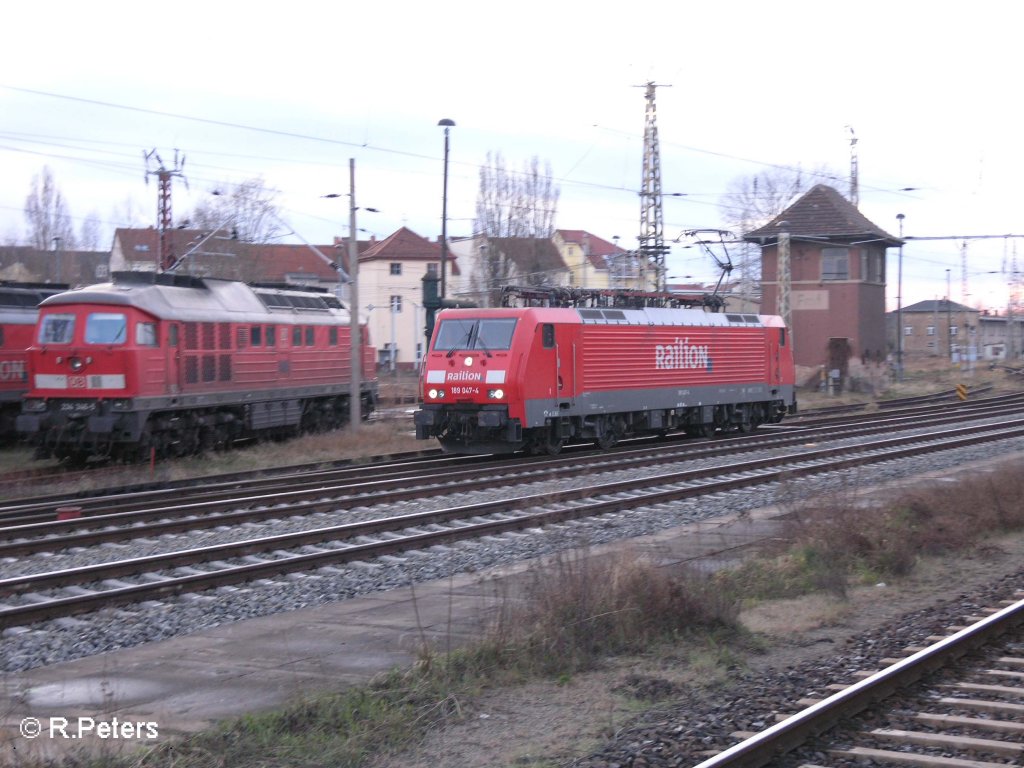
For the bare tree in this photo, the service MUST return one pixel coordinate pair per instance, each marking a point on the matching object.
(128, 215)
(89, 235)
(510, 205)
(249, 212)
(752, 201)
(47, 214)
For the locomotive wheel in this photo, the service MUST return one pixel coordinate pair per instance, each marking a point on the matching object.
(551, 445)
(607, 439)
(706, 430)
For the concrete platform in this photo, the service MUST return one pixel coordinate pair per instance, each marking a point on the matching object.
(187, 683)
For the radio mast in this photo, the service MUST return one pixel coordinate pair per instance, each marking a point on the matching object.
(165, 246)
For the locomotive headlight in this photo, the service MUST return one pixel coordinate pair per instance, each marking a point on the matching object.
(434, 394)
(76, 363)
(496, 394)
(468, 361)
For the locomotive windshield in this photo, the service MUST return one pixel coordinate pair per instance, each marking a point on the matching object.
(488, 334)
(56, 329)
(106, 328)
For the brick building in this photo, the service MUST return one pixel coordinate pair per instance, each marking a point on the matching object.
(837, 278)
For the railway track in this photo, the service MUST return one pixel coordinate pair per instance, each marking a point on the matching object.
(220, 493)
(13, 483)
(30, 528)
(29, 598)
(972, 718)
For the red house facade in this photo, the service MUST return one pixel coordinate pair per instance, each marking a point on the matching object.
(837, 278)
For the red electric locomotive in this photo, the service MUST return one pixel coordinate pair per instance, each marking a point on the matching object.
(536, 378)
(168, 365)
(19, 304)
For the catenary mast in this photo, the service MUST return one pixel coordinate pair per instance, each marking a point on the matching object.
(652, 248)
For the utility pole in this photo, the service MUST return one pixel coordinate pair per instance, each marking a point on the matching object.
(899, 306)
(652, 225)
(165, 258)
(785, 281)
(949, 320)
(56, 250)
(355, 389)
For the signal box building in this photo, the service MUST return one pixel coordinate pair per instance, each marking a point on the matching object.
(837, 279)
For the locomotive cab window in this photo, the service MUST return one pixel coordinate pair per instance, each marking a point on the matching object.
(782, 337)
(106, 328)
(487, 334)
(256, 336)
(56, 329)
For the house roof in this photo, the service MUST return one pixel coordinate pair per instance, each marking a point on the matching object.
(940, 306)
(595, 247)
(822, 212)
(531, 255)
(25, 263)
(274, 262)
(406, 245)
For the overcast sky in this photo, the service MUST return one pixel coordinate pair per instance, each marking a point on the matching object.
(290, 95)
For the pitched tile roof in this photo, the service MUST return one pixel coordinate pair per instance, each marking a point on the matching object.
(597, 248)
(822, 212)
(406, 245)
(269, 262)
(940, 306)
(531, 255)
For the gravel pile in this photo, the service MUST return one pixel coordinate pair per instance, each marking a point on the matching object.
(702, 722)
(64, 639)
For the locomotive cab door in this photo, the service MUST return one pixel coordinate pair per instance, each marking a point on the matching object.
(555, 369)
(174, 358)
(565, 356)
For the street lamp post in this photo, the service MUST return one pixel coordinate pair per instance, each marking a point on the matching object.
(899, 306)
(394, 343)
(355, 389)
(447, 125)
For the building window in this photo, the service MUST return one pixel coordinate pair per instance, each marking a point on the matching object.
(396, 267)
(432, 269)
(953, 330)
(931, 330)
(396, 303)
(871, 265)
(835, 264)
(908, 330)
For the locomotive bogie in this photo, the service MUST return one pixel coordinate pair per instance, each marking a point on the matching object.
(574, 376)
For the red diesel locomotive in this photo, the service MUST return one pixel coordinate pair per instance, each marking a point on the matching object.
(167, 365)
(536, 378)
(19, 304)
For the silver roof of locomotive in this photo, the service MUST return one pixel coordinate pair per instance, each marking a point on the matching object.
(198, 300)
